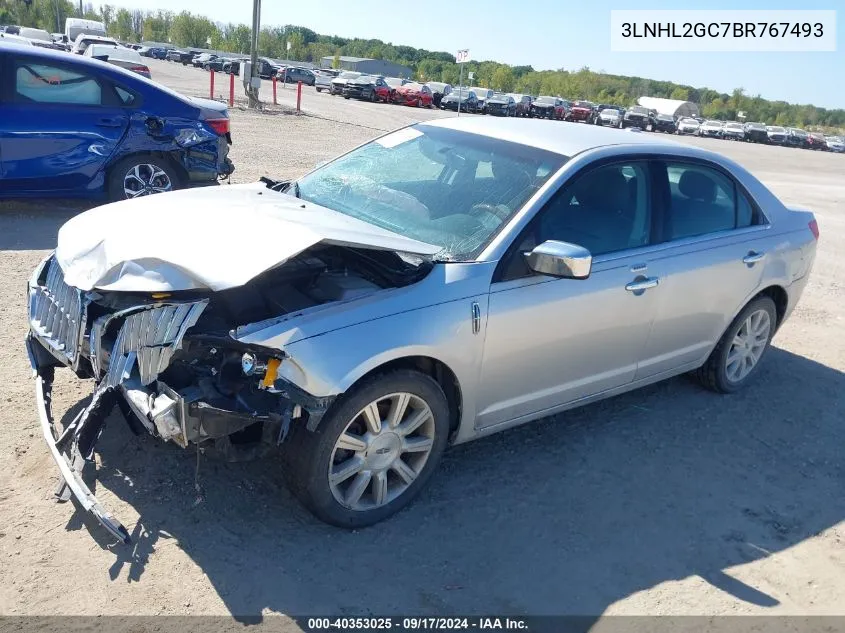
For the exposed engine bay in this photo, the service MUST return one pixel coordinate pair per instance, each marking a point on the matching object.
(172, 356)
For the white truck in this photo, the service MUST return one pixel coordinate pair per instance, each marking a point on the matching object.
(77, 26)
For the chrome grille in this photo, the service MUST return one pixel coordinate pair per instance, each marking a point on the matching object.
(149, 339)
(56, 313)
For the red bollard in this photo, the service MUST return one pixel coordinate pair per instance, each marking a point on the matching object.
(231, 91)
(298, 94)
(275, 102)
(211, 89)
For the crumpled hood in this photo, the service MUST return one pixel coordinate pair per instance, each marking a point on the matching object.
(211, 238)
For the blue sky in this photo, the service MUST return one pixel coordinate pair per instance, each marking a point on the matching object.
(552, 34)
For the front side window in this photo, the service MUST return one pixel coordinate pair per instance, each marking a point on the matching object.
(605, 210)
(441, 186)
(45, 83)
(703, 200)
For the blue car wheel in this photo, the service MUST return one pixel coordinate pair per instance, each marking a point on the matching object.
(142, 175)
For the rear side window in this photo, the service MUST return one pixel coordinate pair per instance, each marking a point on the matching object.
(45, 83)
(703, 200)
(124, 96)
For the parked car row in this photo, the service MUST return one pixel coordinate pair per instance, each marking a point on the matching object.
(756, 132)
(231, 65)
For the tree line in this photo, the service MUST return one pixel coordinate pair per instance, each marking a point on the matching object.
(303, 44)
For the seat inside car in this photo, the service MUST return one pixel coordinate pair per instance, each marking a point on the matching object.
(598, 213)
(696, 209)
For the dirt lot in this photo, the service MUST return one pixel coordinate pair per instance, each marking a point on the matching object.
(671, 500)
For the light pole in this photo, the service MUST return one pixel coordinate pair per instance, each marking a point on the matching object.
(254, 79)
(58, 24)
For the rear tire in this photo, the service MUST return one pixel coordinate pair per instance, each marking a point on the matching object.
(735, 360)
(121, 176)
(313, 458)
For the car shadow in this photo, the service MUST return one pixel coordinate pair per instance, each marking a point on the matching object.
(33, 224)
(565, 516)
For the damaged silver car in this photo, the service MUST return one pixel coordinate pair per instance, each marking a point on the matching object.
(443, 282)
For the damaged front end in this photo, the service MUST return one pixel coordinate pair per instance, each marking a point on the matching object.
(171, 365)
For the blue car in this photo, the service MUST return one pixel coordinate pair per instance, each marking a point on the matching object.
(78, 127)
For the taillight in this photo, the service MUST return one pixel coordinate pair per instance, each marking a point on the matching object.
(221, 126)
(814, 228)
(140, 69)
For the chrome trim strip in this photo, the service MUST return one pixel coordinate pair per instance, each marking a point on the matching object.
(148, 338)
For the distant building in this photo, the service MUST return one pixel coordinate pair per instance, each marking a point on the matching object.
(672, 107)
(369, 66)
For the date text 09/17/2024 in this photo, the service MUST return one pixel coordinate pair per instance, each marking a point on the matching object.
(418, 623)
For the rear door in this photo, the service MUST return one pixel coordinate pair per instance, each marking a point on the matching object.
(62, 123)
(715, 245)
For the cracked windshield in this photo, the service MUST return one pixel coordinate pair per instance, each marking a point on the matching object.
(445, 187)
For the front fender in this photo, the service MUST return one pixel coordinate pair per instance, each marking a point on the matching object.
(330, 364)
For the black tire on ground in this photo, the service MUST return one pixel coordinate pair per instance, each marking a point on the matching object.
(114, 183)
(373, 96)
(307, 455)
(713, 374)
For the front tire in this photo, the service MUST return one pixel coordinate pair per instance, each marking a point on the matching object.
(736, 358)
(373, 452)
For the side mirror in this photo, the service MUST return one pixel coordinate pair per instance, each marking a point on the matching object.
(560, 259)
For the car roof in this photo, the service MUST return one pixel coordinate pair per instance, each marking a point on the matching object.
(552, 136)
(120, 53)
(16, 40)
(94, 38)
(61, 56)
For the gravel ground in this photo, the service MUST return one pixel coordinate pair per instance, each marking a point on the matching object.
(670, 500)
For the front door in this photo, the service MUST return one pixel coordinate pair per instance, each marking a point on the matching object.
(555, 341)
(61, 126)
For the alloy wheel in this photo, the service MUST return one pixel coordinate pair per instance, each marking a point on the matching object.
(145, 179)
(748, 345)
(381, 451)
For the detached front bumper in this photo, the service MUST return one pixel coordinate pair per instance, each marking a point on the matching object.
(129, 353)
(67, 455)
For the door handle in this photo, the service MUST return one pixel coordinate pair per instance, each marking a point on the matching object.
(105, 122)
(753, 257)
(643, 283)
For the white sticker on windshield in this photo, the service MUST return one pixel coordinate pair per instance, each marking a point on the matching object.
(400, 136)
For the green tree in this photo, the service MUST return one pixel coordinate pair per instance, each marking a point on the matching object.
(122, 27)
(108, 13)
(503, 79)
(681, 94)
(336, 61)
(191, 30)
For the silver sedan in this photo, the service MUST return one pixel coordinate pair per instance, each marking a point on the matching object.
(441, 283)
